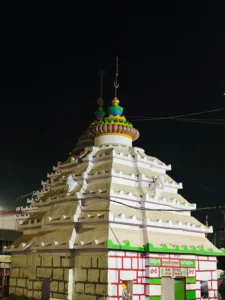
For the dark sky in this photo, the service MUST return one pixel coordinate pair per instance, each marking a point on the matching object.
(168, 65)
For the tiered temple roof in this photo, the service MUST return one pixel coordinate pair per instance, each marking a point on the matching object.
(112, 195)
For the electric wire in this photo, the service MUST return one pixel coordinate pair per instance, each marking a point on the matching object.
(141, 118)
(200, 184)
(199, 122)
(149, 209)
(208, 208)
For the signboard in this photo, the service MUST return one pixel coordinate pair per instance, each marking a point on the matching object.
(153, 272)
(166, 262)
(173, 272)
(187, 263)
(191, 272)
(155, 261)
(170, 263)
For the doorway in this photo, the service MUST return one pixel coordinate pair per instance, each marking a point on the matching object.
(172, 289)
(127, 289)
(179, 289)
(167, 288)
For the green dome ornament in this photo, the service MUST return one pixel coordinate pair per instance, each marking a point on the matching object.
(100, 114)
(115, 109)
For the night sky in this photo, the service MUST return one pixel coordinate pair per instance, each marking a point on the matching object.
(168, 65)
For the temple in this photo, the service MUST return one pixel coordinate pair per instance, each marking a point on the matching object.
(110, 222)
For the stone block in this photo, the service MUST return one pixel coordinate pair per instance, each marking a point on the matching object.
(37, 294)
(66, 262)
(115, 262)
(19, 261)
(79, 288)
(58, 274)
(80, 274)
(30, 294)
(207, 265)
(124, 275)
(83, 261)
(103, 261)
(89, 288)
(101, 289)
(12, 281)
(94, 261)
(138, 289)
(66, 274)
(58, 296)
(66, 286)
(84, 297)
(24, 272)
(25, 292)
(56, 261)
(127, 263)
(14, 272)
(33, 260)
(19, 291)
(12, 290)
(61, 287)
(21, 282)
(44, 273)
(104, 276)
(30, 284)
(54, 286)
(93, 275)
(37, 285)
(47, 261)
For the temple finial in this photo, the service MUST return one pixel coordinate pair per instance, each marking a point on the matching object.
(116, 84)
(100, 112)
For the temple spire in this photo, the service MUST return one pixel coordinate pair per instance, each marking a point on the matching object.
(116, 84)
(100, 112)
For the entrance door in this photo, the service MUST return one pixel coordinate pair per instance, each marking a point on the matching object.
(179, 290)
(167, 288)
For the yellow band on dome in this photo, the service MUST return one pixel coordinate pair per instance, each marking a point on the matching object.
(118, 134)
(115, 117)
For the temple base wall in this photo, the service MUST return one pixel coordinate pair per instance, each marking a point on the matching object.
(28, 272)
(90, 276)
(146, 274)
(72, 275)
(95, 275)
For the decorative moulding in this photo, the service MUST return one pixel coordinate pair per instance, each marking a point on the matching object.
(165, 249)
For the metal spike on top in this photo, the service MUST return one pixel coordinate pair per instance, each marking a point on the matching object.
(116, 84)
(100, 100)
(100, 112)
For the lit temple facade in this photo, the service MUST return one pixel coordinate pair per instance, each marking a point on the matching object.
(109, 221)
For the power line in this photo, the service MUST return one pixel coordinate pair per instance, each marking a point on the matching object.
(199, 121)
(201, 185)
(141, 118)
(143, 208)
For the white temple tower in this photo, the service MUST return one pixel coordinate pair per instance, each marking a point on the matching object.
(110, 218)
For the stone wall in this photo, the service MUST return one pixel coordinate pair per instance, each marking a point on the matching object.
(91, 278)
(127, 266)
(27, 273)
(83, 276)
(206, 270)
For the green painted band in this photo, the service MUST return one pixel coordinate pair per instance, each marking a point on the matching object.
(165, 249)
